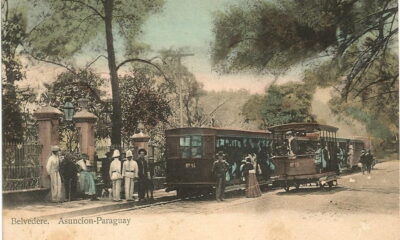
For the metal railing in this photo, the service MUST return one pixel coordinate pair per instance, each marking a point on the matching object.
(21, 166)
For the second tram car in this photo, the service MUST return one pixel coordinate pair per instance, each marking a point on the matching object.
(304, 153)
(190, 153)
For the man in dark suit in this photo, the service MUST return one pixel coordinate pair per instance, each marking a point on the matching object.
(220, 167)
(68, 172)
(144, 174)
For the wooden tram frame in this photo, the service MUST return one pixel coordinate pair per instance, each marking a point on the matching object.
(194, 175)
(294, 170)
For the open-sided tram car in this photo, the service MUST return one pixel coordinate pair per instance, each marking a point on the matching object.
(350, 151)
(190, 153)
(295, 149)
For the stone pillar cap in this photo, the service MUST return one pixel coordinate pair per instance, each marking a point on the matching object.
(47, 112)
(140, 137)
(85, 116)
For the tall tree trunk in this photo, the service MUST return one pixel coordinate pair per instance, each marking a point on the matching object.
(116, 117)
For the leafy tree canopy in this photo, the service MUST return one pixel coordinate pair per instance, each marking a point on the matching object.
(272, 36)
(281, 104)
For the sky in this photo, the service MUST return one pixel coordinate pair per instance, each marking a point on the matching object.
(188, 24)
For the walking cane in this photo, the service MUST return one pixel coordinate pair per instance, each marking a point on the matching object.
(69, 190)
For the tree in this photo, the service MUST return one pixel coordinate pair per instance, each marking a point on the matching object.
(272, 36)
(281, 104)
(13, 31)
(69, 25)
(142, 100)
(72, 87)
(252, 110)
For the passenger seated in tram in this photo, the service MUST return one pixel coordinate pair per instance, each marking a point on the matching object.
(321, 157)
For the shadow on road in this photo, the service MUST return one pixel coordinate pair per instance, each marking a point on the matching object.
(312, 190)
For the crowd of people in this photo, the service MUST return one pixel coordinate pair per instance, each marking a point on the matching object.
(73, 177)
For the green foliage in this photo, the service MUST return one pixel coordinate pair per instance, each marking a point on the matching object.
(12, 116)
(265, 36)
(142, 100)
(73, 87)
(69, 25)
(281, 104)
(375, 101)
(252, 110)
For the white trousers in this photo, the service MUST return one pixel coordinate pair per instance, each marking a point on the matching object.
(116, 189)
(129, 188)
(56, 187)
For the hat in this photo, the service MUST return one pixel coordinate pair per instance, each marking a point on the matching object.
(84, 155)
(55, 148)
(116, 153)
(129, 153)
(142, 150)
(220, 153)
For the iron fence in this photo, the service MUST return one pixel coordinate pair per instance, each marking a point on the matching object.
(21, 166)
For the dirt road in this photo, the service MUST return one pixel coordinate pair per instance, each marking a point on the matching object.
(361, 207)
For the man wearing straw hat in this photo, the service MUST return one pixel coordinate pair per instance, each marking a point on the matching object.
(53, 169)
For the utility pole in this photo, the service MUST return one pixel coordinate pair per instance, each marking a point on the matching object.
(178, 56)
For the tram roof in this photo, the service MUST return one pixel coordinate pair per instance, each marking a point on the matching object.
(214, 130)
(302, 127)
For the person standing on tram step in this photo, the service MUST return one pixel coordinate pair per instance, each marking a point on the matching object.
(144, 173)
(116, 176)
(321, 158)
(53, 169)
(220, 167)
(69, 172)
(130, 172)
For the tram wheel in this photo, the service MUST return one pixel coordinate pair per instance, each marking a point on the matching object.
(181, 193)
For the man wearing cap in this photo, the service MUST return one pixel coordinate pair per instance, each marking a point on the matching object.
(220, 167)
(144, 173)
(53, 169)
(130, 173)
(116, 176)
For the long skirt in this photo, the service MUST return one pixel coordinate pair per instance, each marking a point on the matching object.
(56, 187)
(86, 183)
(252, 187)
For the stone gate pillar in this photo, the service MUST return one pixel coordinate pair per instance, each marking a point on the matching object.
(140, 140)
(48, 119)
(85, 123)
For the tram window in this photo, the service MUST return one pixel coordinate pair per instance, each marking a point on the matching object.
(191, 147)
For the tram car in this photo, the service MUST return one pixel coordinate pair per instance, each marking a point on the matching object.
(349, 151)
(304, 153)
(191, 152)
